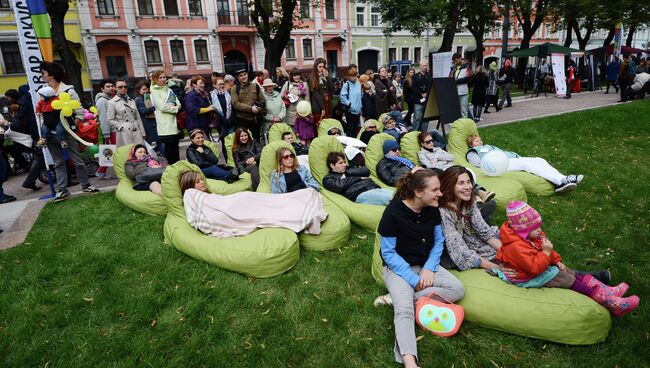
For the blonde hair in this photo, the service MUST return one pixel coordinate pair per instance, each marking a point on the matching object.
(187, 181)
(471, 138)
(279, 170)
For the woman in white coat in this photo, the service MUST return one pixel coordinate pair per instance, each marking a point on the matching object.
(122, 115)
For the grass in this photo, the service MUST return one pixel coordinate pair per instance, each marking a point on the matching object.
(94, 285)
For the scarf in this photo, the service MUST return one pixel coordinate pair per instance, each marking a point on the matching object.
(217, 104)
(428, 149)
(201, 93)
(300, 86)
(151, 162)
(401, 159)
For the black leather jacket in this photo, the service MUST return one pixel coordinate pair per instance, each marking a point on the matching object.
(389, 171)
(202, 160)
(352, 185)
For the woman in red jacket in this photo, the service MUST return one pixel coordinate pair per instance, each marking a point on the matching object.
(526, 249)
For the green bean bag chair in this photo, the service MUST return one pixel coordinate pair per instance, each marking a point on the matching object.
(380, 127)
(276, 131)
(245, 182)
(364, 215)
(142, 201)
(374, 153)
(263, 253)
(552, 314)
(409, 147)
(325, 124)
(335, 231)
(228, 141)
(510, 186)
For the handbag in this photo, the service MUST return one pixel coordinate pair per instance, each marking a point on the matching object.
(439, 318)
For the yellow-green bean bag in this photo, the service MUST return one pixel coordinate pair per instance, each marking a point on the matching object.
(245, 183)
(380, 127)
(510, 186)
(263, 253)
(364, 215)
(409, 147)
(325, 124)
(374, 153)
(278, 129)
(553, 314)
(335, 231)
(228, 141)
(142, 201)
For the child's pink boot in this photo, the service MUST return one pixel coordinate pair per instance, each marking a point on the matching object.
(618, 290)
(617, 305)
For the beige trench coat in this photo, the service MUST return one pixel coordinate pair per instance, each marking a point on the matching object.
(123, 116)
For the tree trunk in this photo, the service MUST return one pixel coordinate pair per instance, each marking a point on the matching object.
(522, 62)
(57, 10)
(479, 51)
(610, 36)
(451, 27)
(630, 36)
(569, 35)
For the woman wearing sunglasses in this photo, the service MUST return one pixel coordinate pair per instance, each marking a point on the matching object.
(433, 157)
(289, 176)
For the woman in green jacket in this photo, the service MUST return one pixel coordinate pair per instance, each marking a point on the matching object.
(167, 106)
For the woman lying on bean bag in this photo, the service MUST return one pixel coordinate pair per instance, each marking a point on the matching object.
(144, 170)
(289, 176)
(202, 156)
(224, 216)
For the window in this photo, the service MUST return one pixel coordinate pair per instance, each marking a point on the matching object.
(178, 51)
(152, 50)
(242, 13)
(105, 7)
(290, 50)
(304, 8)
(374, 17)
(392, 54)
(223, 12)
(417, 55)
(497, 30)
(306, 49)
(405, 53)
(171, 7)
(329, 9)
(194, 7)
(361, 16)
(201, 51)
(145, 7)
(13, 64)
(4, 4)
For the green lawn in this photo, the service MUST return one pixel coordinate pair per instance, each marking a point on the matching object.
(94, 285)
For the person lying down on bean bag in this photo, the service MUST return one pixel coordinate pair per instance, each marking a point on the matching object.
(224, 216)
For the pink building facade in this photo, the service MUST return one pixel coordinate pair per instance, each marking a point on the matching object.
(129, 38)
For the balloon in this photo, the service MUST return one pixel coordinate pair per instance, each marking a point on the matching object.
(93, 109)
(64, 96)
(494, 163)
(93, 150)
(66, 104)
(57, 104)
(67, 111)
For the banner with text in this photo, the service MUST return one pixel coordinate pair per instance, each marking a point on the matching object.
(557, 60)
(441, 64)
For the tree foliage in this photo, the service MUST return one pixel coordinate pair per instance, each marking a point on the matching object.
(481, 16)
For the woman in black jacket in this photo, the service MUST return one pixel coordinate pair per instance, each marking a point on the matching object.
(480, 81)
(353, 183)
(203, 157)
(246, 153)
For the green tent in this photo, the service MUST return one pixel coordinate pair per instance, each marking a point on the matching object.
(542, 51)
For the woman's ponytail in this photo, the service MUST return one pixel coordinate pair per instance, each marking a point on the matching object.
(408, 183)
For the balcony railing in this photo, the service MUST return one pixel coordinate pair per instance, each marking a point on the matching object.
(236, 18)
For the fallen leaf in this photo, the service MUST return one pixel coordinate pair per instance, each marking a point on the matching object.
(180, 309)
(324, 320)
(154, 323)
(211, 319)
(266, 312)
(88, 299)
(316, 296)
(362, 236)
(419, 338)
(317, 260)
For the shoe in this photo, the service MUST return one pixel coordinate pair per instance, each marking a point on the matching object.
(565, 187)
(573, 179)
(603, 276)
(509, 105)
(32, 186)
(90, 189)
(7, 199)
(383, 300)
(64, 143)
(617, 305)
(41, 143)
(61, 196)
(486, 112)
(231, 178)
(618, 290)
(489, 196)
(499, 108)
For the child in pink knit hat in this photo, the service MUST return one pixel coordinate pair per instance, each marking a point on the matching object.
(526, 249)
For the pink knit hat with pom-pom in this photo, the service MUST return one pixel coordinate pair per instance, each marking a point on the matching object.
(523, 218)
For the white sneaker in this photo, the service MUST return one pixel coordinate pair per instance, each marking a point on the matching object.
(383, 300)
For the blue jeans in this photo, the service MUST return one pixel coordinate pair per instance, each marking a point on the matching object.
(60, 132)
(464, 105)
(418, 112)
(215, 172)
(377, 197)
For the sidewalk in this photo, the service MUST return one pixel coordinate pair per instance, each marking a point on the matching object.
(17, 218)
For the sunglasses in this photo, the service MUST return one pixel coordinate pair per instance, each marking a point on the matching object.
(395, 150)
(428, 141)
(372, 127)
(121, 87)
(288, 156)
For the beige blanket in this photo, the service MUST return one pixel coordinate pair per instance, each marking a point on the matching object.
(241, 213)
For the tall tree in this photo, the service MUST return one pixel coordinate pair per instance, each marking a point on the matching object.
(530, 15)
(481, 17)
(274, 21)
(57, 9)
(416, 16)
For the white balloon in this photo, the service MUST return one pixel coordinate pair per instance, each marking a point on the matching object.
(494, 163)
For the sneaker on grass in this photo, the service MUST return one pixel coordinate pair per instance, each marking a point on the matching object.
(90, 189)
(383, 300)
(61, 196)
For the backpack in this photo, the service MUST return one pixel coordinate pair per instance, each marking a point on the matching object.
(631, 69)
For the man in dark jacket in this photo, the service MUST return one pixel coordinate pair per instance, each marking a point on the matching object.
(353, 183)
(421, 82)
(249, 102)
(393, 165)
(29, 126)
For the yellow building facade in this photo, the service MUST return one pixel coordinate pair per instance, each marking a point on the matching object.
(12, 74)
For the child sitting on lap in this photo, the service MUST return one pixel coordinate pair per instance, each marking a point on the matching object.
(526, 250)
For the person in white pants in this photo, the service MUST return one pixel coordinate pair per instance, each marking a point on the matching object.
(534, 165)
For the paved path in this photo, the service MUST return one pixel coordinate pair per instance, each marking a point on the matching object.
(17, 218)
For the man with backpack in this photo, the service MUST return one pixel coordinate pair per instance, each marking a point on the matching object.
(108, 132)
(249, 102)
